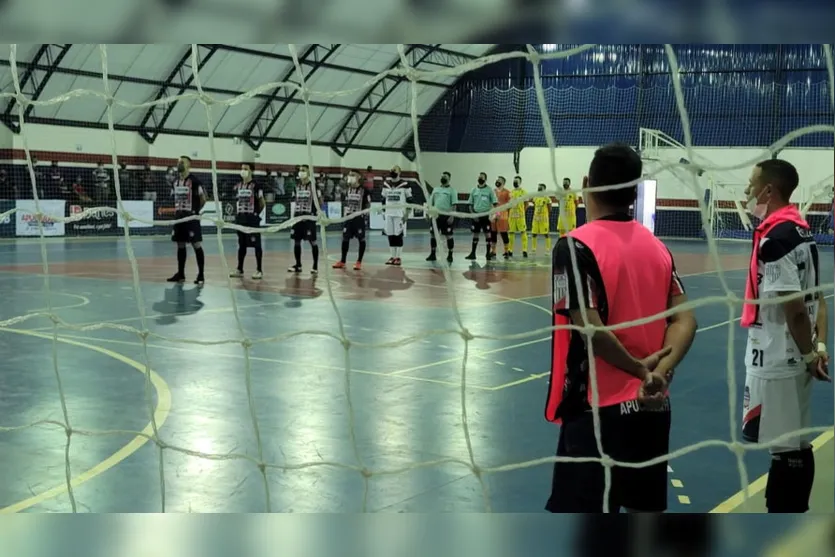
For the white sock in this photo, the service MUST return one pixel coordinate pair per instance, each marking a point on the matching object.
(397, 251)
(393, 251)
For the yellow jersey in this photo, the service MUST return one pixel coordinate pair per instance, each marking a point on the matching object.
(542, 208)
(570, 205)
(517, 212)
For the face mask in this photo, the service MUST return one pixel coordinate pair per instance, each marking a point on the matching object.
(516, 184)
(352, 180)
(444, 182)
(498, 184)
(244, 174)
(303, 175)
(393, 174)
(181, 168)
(756, 208)
(481, 181)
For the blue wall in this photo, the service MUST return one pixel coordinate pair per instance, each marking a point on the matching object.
(736, 95)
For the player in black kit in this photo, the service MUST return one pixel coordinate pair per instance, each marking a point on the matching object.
(189, 198)
(305, 229)
(356, 199)
(249, 202)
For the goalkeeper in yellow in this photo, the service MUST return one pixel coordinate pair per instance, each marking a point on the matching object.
(568, 214)
(542, 219)
(516, 219)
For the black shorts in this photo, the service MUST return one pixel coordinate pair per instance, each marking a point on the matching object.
(248, 239)
(446, 225)
(481, 224)
(628, 434)
(189, 232)
(304, 230)
(354, 228)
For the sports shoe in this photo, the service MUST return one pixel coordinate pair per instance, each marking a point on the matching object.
(177, 278)
(358, 266)
(295, 269)
(314, 271)
(339, 265)
(449, 257)
(199, 281)
(431, 257)
(257, 275)
(237, 273)
(390, 261)
(396, 262)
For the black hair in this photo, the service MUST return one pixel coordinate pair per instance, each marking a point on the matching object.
(567, 180)
(369, 169)
(251, 165)
(501, 179)
(517, 177)
(613, 164)
(480, 174)
(781, 175)
(446, 173)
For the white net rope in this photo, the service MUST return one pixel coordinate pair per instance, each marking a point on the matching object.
(731, 298)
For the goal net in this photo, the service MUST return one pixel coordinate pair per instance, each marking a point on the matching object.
(715, 209)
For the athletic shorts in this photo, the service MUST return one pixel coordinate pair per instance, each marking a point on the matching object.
(566, 226)
(775, 407)
(189, 232)
(354, 228)
(304, 230)
(248, 239)
(480, 224)
(446, 225)
(540, 227)
(629, 433)
(517, 224)
(394, 226)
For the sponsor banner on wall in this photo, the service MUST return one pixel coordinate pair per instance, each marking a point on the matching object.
(333, 209)
(6, 222)
(138, 210)
(96, 222)
(26, 223)
(277, 212)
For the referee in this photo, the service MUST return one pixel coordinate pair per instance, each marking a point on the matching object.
(625, 274)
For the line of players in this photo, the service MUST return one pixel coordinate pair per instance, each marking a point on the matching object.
(190, 198)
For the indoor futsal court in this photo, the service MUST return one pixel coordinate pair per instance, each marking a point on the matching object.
(405, 397)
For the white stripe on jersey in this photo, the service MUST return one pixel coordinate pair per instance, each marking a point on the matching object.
(397, 193)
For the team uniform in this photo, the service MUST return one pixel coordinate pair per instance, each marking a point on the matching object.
(482, 199)
(249, 198)
(500, 224)
(541, 225)
(630, 431)
(396, 191)
(305, 205)
(568, 221)
(517, 222)
(778, 388)
(187, 194)
(443, 199)
(355, 199)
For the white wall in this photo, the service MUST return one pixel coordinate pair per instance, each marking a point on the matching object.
(814, 165)
(100, 142)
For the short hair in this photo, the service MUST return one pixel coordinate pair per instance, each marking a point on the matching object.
(303, 166)
(251, 165)
(517, 177)
(188, 158)
(613, 164)
(567, 179)
(483, 174)
(780, 174)
(446, 173)
(501, 179)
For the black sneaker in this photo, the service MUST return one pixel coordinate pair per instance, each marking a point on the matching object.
(177, 278)
(295, 269)
(431, 257)
(449, 257)
(525, 254)
(471, 256)
(199, 281)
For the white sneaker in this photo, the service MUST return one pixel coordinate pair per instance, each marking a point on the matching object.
(257, 275)
(236, 274)
(314, 271)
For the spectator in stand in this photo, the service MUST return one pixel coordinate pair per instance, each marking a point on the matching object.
(6, 191)
(369, 178)
(79, 195)
(55, 188)
(146, 184)
(102, 180)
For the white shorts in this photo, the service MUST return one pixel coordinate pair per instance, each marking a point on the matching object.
(394, 226)
(775, 407)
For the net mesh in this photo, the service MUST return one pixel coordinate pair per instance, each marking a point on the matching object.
(729, 297)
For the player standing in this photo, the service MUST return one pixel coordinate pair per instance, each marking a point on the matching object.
(306, 189)
(249, 198)
(517, 220)
(541, 225)
(396, 191)
(567, 220)
(356, 198)
(625, 274)
(482, 199)
(189, 198)
(443, 199)
(785, 349)
(500, 223)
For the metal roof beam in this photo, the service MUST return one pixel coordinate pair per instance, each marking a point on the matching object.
(327, 65)
(35, 78)
(373, 99)
(444, 57)
(271, 109)
(189, 87)
(181, 76)
(191, 133)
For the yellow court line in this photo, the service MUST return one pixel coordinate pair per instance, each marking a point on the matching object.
(757, 486)
(161, 412)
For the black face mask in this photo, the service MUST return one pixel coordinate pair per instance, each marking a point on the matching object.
(515, 184)
(181, 168)
(393, 174)
(481, 180)
(444, 181)
(498, 184)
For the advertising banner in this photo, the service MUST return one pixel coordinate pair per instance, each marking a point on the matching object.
(376, 221)
(138, 209)
(26, 223)
(277, 212)
(92, 224)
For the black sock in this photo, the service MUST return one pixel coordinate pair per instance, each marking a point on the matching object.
(433, 245)
(315, 249)
(450, 243)
(200, 256)
(241, 256)
(361, 251)
(475, 244)
(259, 255)
(505, 239)
(297, 253)
(344, 251)
(181, 261)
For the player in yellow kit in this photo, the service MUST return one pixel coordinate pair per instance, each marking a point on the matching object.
(516, 219)
(541, 220)
(568, 214)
